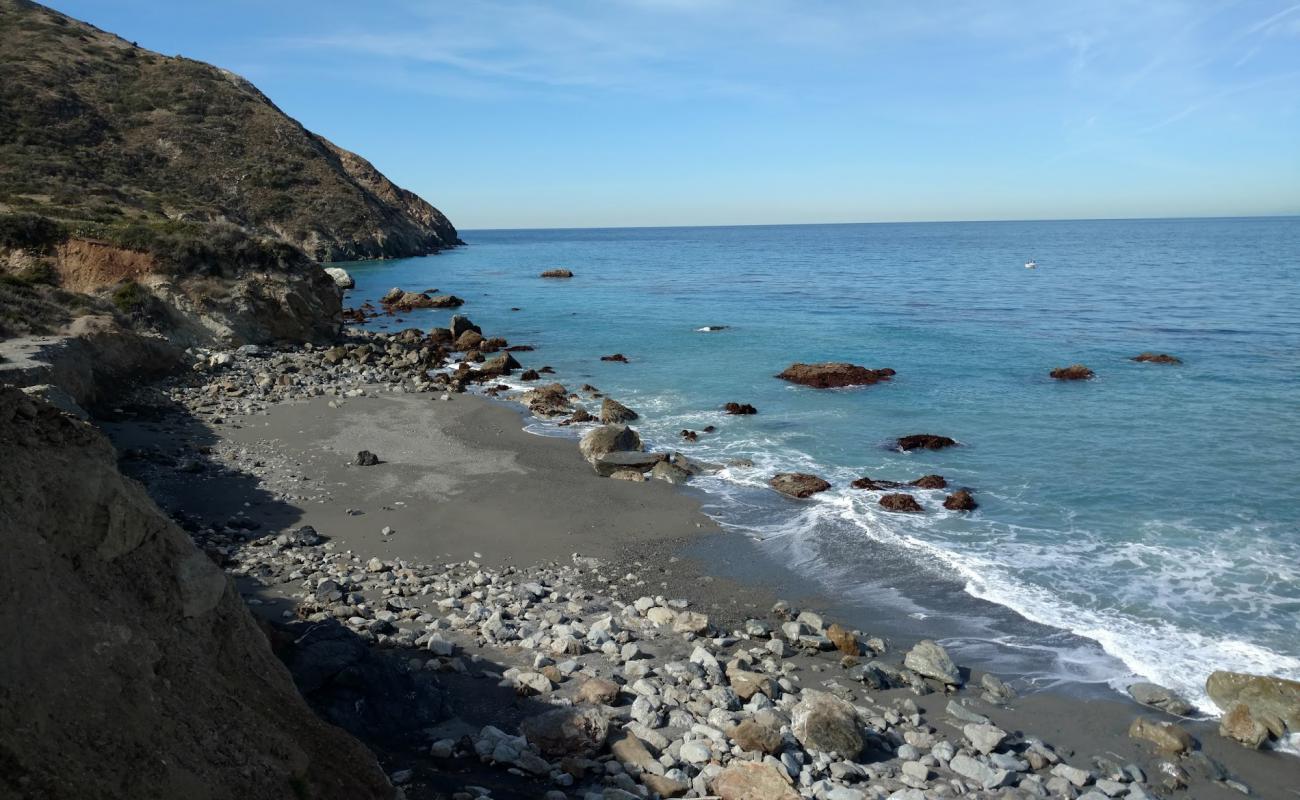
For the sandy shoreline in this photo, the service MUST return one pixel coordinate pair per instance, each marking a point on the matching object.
(460, 479)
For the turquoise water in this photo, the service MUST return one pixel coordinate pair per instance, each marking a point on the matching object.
(1153, 510)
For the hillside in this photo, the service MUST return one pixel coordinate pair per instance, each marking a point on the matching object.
(109, 138)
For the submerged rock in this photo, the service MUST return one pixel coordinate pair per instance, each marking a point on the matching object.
(1156, 358)
(872, 484)
(739, 408)
(960, 500)
(557, 273)
(617, 357)
(798, 484)
(930, 482)
(833, 374)
(900, 502)
(1074, 372)
(924, 441)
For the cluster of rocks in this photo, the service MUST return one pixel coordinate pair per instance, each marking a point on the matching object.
(397, 299)
(648, 697)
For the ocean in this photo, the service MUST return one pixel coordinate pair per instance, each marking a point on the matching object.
(1144, 523)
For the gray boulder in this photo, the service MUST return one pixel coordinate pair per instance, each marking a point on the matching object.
(930, 660)
(619, 460)
(1156, 696)
(608, 439)
(574, 731)
(825, 723)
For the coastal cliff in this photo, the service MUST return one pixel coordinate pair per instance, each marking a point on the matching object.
(131, 644)
(103, 134)
(175, 195)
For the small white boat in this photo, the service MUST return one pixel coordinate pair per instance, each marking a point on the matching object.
(1031, 264)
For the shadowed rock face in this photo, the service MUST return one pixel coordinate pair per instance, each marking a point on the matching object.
(141, 673)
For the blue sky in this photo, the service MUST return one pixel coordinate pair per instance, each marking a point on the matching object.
(680, 112)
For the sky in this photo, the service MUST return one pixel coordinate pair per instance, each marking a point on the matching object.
(606, 113)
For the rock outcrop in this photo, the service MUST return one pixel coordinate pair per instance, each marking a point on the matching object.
(1074, 372)
(833, 374)
(1257, 700)
(557, 273)
(1156, 358)
(924, 441)
(140, 673)
(900, 502)
(798, 484)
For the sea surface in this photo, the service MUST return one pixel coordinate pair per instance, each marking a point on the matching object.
(1145, 523)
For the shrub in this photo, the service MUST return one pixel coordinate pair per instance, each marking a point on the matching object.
(25, 231)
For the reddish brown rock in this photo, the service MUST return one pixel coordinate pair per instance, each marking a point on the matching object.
(1074, 372)
(925, 441)
(690, 436)
(843, 639)
(900, 502)
(798, 484)
(930, 482)
(832, 374)
(960, 500)
(739, 408)
(752, 781)
(1157, 358)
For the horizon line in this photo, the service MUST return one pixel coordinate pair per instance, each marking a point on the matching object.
(1293, 215)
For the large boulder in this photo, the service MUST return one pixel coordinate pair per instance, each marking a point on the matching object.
(758, 734)
(832, 374)
(340, 277)
(620, 460)
(550, 400)
(1240, 725)
(960, 500)
(798, 484)
(929, 660)
(1166, 736)
(751, 781)
(828, 724)
(612, 412)
(1156, 696)
(1273, 702)
(608, 439)
(924, 441)
(1074, 372)
(499, 365)
(459, 325)
(573, 731)
(900, 502)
